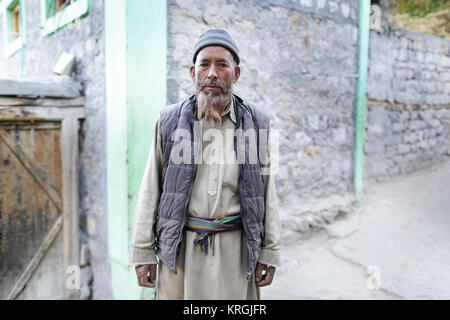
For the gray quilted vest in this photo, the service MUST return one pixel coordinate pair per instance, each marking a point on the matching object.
(178, 178)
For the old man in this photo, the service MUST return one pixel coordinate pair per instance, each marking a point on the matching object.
(206, 224)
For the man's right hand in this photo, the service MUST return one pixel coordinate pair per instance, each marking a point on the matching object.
(144, 278)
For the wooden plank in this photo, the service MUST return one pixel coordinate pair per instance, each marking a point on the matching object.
(60, 86)
(28, 125)
(47, 157)
(71, 232)
(35, 261)
(39, 113)
(28, 164)
(7, 101)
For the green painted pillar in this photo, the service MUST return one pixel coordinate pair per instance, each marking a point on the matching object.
(135, 72)
(363, 57)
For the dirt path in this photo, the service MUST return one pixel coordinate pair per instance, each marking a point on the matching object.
(396, 246)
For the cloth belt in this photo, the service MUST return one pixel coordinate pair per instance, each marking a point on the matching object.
(203, 227)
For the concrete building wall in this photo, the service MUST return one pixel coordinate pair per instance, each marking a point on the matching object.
(85, 39)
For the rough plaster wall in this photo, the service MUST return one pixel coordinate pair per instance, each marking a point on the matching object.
(84, 39)
(298, 64)
(408, 112)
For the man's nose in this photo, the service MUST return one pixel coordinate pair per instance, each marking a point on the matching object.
(212, 74)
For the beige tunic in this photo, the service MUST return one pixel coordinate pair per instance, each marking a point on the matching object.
(215, 193)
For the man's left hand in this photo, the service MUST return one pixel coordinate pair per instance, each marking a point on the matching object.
(264, 279)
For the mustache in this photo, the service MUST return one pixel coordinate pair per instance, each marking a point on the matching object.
(213, 83)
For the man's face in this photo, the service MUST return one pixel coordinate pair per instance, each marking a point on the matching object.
(214, 71)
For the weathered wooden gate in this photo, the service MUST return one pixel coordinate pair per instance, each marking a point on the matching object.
(39, 206)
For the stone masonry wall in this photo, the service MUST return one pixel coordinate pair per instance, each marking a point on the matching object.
(408, 111)
(84, 39)
(299, 65)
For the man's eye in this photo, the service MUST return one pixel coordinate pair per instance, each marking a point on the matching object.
(223, 65)
(203, 65)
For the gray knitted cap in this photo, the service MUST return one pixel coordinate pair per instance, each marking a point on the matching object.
(216, 37)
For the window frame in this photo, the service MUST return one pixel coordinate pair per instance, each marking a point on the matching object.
(75, 10)
(11, 45)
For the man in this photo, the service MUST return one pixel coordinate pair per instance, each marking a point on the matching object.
(205, 212)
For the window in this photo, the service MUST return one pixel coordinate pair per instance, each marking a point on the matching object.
(56, 14)
(61, 4)
(13, 16)
(53, 7)
(16, 22)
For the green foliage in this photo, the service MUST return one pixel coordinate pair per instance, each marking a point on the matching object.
(419, 8)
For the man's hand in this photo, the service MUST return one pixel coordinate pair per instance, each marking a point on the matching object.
(263, 279)
(144, 278)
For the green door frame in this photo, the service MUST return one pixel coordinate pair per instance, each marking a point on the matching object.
(135, 75)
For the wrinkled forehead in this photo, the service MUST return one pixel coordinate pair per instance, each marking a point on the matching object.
(214, 53)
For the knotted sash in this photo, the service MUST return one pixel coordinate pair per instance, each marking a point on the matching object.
(203, 227)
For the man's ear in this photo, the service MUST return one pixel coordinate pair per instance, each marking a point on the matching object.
(192, 72)
(237, 73)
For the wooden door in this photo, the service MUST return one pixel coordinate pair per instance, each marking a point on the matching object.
(30, 209)
(39, 207)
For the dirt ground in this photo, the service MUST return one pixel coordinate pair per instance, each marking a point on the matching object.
(395, 246)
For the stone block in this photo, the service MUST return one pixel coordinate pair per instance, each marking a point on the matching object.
(402, 55)
(302, 139)
(403, 148)
(424, 144)
(444, 76)
(404, 115)
(313, 121)
(283, 172)
(426, 115)
(345, 9)
(398, 127)
(410, 137)
(321, 3)
(416, 125)
(435, 123)
(333, 6)
(306, 3)
(339, 135)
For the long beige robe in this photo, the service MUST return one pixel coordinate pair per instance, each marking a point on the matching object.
(215, 193)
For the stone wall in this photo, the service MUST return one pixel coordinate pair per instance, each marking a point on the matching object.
(84, 39)
(408, 110)
(299, 65)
